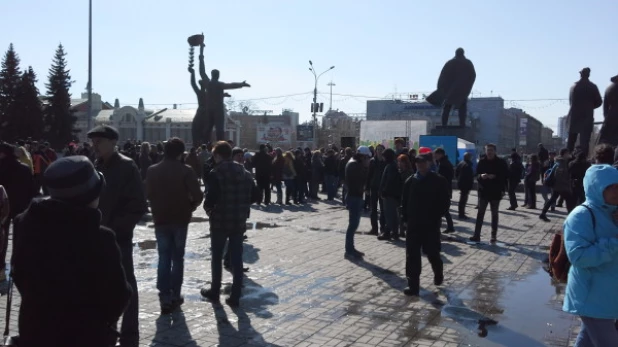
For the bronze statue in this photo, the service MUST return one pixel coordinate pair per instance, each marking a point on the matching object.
(454, 86)
(210, 95)
(609, 130)
(584, 98)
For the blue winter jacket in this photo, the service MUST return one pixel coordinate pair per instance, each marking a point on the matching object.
(593, 251)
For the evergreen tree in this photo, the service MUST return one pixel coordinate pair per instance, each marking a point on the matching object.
(9, 84)
(29, 106)
(59, 119)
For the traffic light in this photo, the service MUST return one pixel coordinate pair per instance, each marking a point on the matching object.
(321, 107)
(317, 107)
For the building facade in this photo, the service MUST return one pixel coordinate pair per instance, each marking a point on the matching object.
(547, 135)
(144, 124)
(277, 130)
(487, 117)
(563, 131)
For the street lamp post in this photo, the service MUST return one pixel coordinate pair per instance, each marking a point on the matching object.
(315, 99)
(89, 65)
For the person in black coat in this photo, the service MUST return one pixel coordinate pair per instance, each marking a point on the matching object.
(465, 182)
(446, 170)
(516, 172)
(390, 193)
(425, 200)
(263, 166)
(492, 175)
(18, 181)
(68, 270)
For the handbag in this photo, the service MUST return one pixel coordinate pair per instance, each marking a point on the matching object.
(8, 340)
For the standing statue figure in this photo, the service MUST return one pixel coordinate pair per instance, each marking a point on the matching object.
(454, 86)
(609, 130)
(210, 95)
(584, 99)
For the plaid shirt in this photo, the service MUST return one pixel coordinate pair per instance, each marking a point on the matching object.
(228, 198)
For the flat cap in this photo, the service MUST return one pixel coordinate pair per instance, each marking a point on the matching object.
(104, 131)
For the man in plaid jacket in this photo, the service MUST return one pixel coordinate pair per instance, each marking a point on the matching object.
(227, 203)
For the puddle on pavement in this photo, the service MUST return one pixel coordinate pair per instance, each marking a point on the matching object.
(527, 312)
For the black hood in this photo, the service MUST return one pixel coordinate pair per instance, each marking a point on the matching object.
(614, 79)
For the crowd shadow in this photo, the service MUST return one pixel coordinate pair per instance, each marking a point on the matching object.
(172, 330)
(387, 276)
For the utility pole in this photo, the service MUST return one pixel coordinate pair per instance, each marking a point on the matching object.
(331, 85)
(89, 65)
(315, 99)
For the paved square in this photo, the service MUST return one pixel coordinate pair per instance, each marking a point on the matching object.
(300, 291)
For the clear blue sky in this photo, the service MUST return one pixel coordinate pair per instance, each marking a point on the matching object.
(521, 49)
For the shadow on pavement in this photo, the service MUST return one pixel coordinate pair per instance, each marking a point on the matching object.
(244, 335)
(172, 330)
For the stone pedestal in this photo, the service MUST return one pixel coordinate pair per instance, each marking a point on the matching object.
(466, 133)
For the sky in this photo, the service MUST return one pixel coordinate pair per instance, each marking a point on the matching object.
(528, 52)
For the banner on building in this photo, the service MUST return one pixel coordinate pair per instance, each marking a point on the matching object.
(274, 133)
(304, 133)
(523, 131)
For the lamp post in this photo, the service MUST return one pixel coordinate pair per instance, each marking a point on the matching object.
(315, 98)
(89, 65)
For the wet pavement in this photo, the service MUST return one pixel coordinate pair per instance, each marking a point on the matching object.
(301, 292)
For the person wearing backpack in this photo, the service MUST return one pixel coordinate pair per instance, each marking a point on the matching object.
(591, 244)
(559, 179)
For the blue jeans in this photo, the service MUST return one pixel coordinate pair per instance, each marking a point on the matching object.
(331, 186)
(597, 332)
(279, 192)
(290, 190)
(171, 241)
(391, 214)
(355, 209)
(217, 241)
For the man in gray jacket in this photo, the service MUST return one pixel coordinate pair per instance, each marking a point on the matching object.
(122, 204)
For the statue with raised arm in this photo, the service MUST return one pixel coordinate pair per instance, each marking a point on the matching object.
(201, 127)
(454, 86)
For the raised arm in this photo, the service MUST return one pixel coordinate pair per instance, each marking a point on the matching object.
(203, 74)
(196, 89)
(236, 85)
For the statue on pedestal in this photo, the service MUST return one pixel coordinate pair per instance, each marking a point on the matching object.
(609, 130)
(210, 95)
(584, 98)
(454, 86)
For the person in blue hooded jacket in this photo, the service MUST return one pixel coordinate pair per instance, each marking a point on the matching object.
(591, 242)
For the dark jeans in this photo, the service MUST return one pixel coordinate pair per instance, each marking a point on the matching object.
(584, 141)
(314, 187)
(449, 221)
(129, 329)
(375, 202)
(480, 217)
(277, 185)
(235, 248)
(596, 332)
(391, 212)
(290, 190)
(263, 183)
(462, 113)
(331, 186)
(530, 194)
(4, 242)
(512, 197)
(355, 210)
(38, 184)
(301, 189)
(568, 198)
(171, 241)
(463, 200)
(427, 239)
(579, 196)
(344, 192)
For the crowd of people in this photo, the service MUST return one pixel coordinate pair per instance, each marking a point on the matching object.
(107, 188)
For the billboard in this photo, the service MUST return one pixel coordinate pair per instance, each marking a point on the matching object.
(274, 133)
(304, 133)
(523, 131)
(386, 131)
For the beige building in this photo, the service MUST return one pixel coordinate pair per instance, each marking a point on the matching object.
(143, 124)
(277, 130)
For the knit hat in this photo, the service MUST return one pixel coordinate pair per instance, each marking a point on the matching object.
(73, 179)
